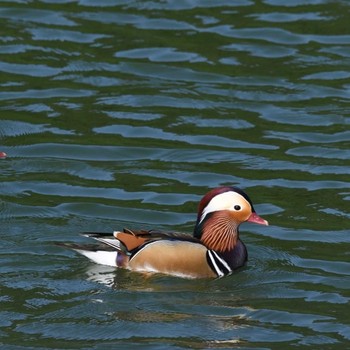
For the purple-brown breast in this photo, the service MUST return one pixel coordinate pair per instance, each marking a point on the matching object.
(236, 257)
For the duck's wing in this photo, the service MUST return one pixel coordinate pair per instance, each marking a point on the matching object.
(107, 238)
(128, 241)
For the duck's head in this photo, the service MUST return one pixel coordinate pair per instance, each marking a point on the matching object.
(220, 212)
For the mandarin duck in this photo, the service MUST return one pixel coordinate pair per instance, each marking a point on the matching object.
(214, 250)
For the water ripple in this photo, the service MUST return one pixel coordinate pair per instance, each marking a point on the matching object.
(148, 132)
(34, 70)
(16, 128)
(45, 93)
(64, 35)
(37, 16)
(163, 54)
(123, 114)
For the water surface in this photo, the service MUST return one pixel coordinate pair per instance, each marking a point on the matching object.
(123, 114)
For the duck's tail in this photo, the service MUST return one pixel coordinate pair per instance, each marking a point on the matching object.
(110, 251)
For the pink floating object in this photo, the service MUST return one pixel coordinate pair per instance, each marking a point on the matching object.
(3, 155)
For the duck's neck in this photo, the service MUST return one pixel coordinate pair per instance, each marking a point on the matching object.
(218, 232)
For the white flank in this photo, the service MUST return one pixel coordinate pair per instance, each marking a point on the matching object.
(100, 256)
(224, 201)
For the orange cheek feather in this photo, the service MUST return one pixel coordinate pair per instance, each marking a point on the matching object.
(240, 216)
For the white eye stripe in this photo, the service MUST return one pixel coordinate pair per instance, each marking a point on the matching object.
(224, 201)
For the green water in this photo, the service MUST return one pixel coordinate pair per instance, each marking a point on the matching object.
(123, 114)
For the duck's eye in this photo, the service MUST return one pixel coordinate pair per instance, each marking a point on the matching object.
(237, 207)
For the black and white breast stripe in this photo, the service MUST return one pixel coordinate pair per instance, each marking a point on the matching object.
(218, 264)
